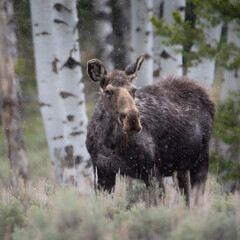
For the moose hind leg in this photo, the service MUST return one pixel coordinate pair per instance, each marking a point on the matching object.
(106, 180)
(198, 175)
(183, 178)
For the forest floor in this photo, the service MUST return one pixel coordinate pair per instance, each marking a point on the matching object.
(44, 211)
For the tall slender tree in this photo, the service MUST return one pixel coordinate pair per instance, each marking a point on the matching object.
(157, 46)
(61, 91)
(204, 71)
(231, 76)
(10, 100)
(47, 80)
(142, 39)
(104, 31)
(171, 61)
(121, 12)
(70, 94)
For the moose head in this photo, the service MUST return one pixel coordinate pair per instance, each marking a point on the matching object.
(118, 93)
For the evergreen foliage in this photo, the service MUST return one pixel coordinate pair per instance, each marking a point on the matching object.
(190, 31)
(227, 129)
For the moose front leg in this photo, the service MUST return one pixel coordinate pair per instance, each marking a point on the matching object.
(105, 180)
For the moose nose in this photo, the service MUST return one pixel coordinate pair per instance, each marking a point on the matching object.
(121, 118)
(136, 129)
(130, 122)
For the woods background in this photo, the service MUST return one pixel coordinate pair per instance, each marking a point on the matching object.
(39, 41)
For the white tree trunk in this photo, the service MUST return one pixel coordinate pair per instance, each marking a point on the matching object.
(231, 78)
(171, 62)
(47, 80)
(104, 32)
(70, 92)
(204, 72)
(142, 39)
(60, 87)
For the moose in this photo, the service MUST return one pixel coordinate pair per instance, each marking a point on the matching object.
(163, 128)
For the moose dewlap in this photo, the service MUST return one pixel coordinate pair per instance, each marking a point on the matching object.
(164, 126)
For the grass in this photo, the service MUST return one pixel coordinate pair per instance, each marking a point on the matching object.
(42, 210)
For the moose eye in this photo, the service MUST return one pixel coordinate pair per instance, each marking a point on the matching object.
(108, 93)
(133, 92)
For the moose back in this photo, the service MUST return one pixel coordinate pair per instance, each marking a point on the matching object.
(164, 126)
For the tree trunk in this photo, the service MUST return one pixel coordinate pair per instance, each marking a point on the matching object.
(70, 92)
(230, 82)
(157, 46)
(10, 101)
(171, 62)
(231, 78)
(121, 30)
(204, 72)
(61, 91)
(104, 32)
(47, 80)
(142, 39)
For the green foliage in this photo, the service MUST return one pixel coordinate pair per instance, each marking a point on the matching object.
(218, 10)
(227, 129)
(11, 215)
(69, 216)
(190, 31)
(227, 121)
(225, 169)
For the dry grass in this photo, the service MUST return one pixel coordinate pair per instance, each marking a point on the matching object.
(45, 211)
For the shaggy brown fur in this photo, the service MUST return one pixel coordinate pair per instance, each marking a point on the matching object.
(176, 119)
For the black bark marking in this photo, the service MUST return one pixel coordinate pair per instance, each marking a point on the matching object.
(81, 123)
(41, 104)
(156, 73)
(182, 8)
(89, 164)
(147, 56)
(54, 65)
(78, 160)
(147, 33)
(80, 102)
(59, 7)
(161, 10)
(58, 137)
(236, 74)
(58, 21)
(76, 133)
(69, 156)
(67, 94)
(103, 16)
(36, 24)
(42, 33)
(138, 29)
(71, 63)
(165, 55)
(70, 118)
(70, 160)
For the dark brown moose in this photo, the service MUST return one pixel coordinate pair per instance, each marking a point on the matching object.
(164, 126)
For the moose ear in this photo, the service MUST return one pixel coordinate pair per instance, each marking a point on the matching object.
(96, 70)
(131, 70)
